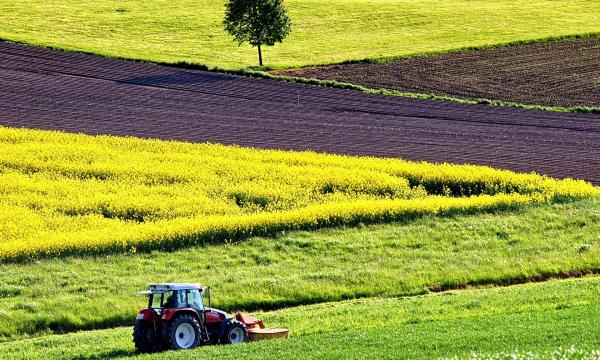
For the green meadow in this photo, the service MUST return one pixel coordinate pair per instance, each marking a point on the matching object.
(299, 268)
(323, 31)
(551, 320)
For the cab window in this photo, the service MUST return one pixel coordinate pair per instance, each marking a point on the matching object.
(170, 299)
(194, 299)
(156, 301)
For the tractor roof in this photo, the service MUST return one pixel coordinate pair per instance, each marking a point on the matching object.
(161, 288)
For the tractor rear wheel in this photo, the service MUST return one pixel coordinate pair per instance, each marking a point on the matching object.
(144, 337)
(235, 332)
(183, 332)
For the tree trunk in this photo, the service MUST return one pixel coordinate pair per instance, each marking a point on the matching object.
(259, 56)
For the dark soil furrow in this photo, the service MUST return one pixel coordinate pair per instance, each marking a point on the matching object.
(560, 73)
(45, 89)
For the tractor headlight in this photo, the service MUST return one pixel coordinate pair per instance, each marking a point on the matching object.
(140, 316)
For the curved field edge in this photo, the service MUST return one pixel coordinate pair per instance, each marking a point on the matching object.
(296, 268)
(341, 78)
(264, 73)
(536, 319)
(387, 59)
(322, 32)
(270, 72)
(412, 95)
(115, 195)
(178, 234)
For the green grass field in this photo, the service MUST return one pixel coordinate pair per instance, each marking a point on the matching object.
(323, 31)
(543, 320)
(67, 294)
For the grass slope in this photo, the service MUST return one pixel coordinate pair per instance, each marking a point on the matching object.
(323, 31)
(307, 267)
(541, 319)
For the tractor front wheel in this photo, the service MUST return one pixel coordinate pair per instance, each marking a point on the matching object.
(144, 337)
(235, 332)
(183, 332)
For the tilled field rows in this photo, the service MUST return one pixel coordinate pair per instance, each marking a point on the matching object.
(45, 89)
(559, 73)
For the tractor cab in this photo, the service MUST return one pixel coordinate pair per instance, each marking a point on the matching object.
(177, 318)
(176, 296)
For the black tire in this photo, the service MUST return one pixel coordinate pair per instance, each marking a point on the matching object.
(183, 332)
(144, 337)
(235, 332)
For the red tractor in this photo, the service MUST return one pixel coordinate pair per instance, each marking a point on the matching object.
(177, 318)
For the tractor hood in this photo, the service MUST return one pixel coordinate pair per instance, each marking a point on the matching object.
(215, 315)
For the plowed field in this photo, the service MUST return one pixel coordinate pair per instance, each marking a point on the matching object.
(562, 73)
(81, 93)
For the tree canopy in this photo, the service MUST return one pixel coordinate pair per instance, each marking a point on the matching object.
(257, 22)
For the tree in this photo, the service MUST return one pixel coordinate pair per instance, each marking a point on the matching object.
(258, 22)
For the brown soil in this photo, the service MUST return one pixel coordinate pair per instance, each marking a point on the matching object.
(45, 89)
(561, 73)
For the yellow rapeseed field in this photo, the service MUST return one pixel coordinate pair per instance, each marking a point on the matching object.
(63, 194)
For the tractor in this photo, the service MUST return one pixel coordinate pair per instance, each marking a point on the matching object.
(177, 318)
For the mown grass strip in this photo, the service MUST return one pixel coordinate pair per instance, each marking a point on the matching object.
(298, 268)
(537, 318)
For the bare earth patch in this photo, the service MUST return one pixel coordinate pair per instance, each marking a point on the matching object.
(560, 73)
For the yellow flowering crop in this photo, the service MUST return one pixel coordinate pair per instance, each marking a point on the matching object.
(76, 194)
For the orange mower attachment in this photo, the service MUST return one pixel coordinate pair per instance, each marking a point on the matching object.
(258, 331)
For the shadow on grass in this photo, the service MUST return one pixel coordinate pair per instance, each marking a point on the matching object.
(113, 354)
